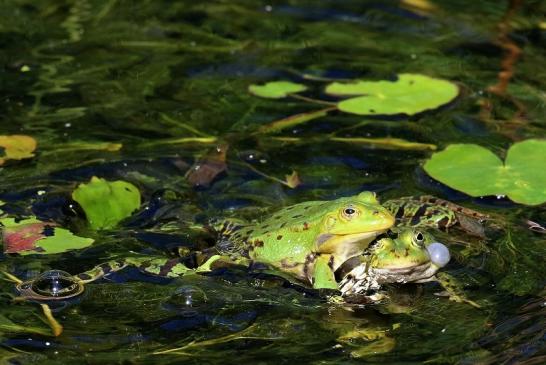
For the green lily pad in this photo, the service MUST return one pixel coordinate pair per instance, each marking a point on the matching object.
(106, 203)
(477, 171)
(276, 89)
(31, 236)
(409, 94)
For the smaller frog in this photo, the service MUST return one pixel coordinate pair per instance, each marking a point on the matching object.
(404, 256)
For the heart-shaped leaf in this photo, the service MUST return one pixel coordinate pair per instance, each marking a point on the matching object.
(477, 171)
(276, 89)
(31, 236)
(17, 147)
(106, 203)
(409, 94)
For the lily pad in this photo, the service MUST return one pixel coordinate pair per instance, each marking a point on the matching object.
(409, 94)
(276, 89)
(17, 147)
(32, 236)
(477, 171)
(106, 203)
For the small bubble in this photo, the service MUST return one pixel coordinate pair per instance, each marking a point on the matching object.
(40, 192)
(268, 8)
(188, 296)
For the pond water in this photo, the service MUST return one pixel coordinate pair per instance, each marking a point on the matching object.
(140, 90)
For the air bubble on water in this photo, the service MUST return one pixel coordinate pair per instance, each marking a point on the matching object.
(188, 296)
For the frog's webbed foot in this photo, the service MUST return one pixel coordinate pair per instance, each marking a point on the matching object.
(453, 289)
(358, 282)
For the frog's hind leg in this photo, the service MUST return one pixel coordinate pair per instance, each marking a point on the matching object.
(101, 270)
(156, 266)
(453, 289)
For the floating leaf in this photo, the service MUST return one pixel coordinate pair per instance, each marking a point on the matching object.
(31, 236)
(477, 171)
(276, 89)
(409, 94)
(106, 203)
(17, 147)
(292, 180)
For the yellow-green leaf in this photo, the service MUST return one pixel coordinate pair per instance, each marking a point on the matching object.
(17, 147)
(276, 89)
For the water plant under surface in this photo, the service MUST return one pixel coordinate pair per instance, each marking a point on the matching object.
(126, 126)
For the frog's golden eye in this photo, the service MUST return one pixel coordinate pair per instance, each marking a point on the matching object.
(419, 238)
(349, 212)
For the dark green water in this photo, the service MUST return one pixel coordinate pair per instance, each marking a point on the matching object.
(156, 75)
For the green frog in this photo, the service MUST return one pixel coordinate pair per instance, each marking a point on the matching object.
(308, 242)
(406, 255)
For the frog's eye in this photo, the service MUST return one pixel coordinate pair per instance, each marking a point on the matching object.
(419, 238)
(349, 212)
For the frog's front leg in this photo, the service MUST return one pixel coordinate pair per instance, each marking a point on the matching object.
(453, 289)
(323, 276)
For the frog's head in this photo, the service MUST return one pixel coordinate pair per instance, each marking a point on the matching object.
(403, 257)
(348, 225)
(359, 214)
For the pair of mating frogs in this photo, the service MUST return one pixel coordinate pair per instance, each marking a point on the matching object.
(349, 244)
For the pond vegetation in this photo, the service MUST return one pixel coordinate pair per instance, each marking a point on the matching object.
(126, 126)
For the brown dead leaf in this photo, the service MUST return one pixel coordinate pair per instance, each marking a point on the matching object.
(293, 180)
(207, 168)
